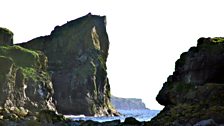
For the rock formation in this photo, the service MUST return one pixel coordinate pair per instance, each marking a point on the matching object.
(6, 37)
(195, 91)
(25, 86)
(77, 53)
(127, 103)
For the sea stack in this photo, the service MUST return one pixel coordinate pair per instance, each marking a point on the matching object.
(77, 52)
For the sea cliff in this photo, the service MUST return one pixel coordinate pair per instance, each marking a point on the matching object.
(77, 52)
(66, 72)
(62, 72)
(193, 95)
(25, 85)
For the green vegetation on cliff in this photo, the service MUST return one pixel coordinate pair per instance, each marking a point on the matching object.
(77, 53)
(25, 85)
(21, 56)
(218, 39)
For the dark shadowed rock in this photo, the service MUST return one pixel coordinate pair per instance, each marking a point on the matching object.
(6, 37)
(95, 123)
(112, 123)
(195, 90)
(77, 53)
(49, 117)
(130, 121)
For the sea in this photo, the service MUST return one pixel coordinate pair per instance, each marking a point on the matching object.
(140, 115)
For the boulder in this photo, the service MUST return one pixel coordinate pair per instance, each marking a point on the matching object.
(95, 123)
(77, 53)
(131, 121)
(50, 117)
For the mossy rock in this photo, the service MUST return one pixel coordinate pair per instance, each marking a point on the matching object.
(14, 113)
(21, 56)
(218, 39)
(6, 37)
(6, 31)
(10, 116)
(19, 111)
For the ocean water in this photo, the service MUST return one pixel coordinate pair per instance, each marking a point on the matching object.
(140, 115)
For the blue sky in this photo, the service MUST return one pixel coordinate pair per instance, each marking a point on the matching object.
(146, 36)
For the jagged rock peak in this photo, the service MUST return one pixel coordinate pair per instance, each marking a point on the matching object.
(6, 36)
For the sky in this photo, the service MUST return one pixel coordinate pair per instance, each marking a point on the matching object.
(146, 36)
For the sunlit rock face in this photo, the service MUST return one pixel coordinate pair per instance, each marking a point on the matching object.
(77, 53)
(6, 37)
(25, 86)
(195, 90)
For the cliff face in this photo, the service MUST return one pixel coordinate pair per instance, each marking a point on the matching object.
(77, 53)
(195, 90)
(25, 86)
(127, 103)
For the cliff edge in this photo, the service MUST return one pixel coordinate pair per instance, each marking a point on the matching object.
(77, 53)
(193, 95)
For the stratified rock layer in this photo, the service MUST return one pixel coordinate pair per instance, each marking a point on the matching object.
(6, 37)
(25, 86)
(127, 103)
(77, 53)
(195, 91)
